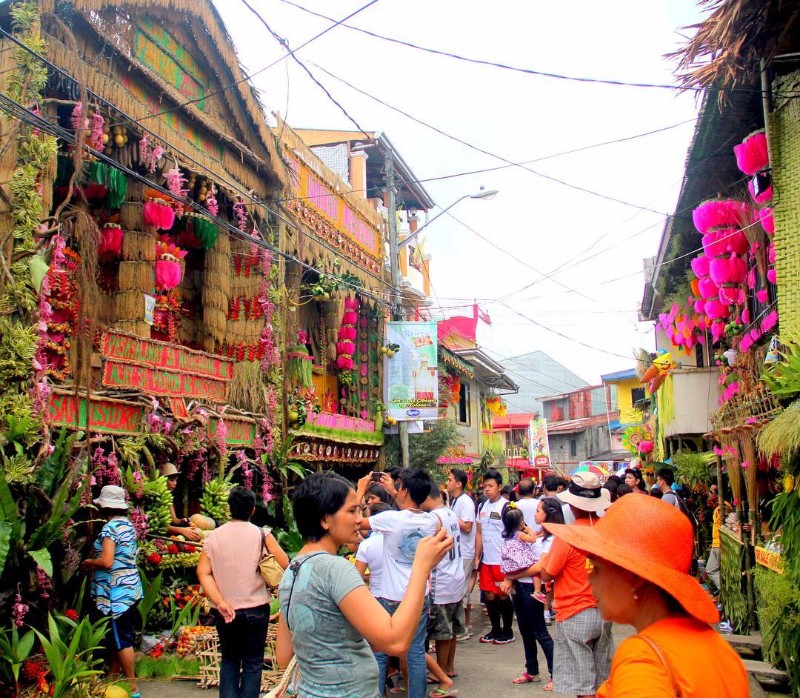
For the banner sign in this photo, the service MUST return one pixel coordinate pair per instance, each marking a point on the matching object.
(340, 421)
(164, 369)
(241, 430)
(539, 451)
(770, 559)
(411, 376)
(94, 414)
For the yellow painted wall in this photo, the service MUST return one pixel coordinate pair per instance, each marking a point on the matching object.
(627, 413)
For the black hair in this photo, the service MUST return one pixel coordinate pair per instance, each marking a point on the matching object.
(105, 511)
(666, 475)
(319, 495)
(493, 474)
(435, 492)
(379, 507)
(611, 486)
(242, 501)
(380, 492)
(553, 512)
(624, 489)
(551, 483)
(637, 474)
(394, 472)
(614, 478)
(525, 487)
(460, 476)
(655, 492)
(513, 519)
(508, 493)
(418, 484)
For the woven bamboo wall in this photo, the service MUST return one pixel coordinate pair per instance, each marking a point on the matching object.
(785, 156)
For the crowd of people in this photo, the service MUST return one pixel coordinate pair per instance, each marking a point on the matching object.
(567, 559)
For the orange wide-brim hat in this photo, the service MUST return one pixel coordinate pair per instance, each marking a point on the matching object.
(650, 538)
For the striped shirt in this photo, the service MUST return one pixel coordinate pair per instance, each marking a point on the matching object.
(115, 590)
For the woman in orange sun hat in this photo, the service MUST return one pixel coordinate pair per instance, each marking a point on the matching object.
(639, 554)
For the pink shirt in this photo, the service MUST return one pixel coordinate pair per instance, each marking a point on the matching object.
(234, 550)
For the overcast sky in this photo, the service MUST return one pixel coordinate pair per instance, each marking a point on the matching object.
(542, 225)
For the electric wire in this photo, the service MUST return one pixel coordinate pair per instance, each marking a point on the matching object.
(516, 69)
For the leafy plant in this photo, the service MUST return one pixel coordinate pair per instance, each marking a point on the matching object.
(151, 595)
(280, 463)
(14, 650)
(188, 615)
(165, 667)
(425, 448)
(783, 378)
(71, 654)
(693, 469)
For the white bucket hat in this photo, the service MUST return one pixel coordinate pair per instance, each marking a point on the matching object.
(585, 493)
(112, 497)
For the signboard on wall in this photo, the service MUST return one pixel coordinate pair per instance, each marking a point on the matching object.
(411, 376)
(94, 414)
(539, 451)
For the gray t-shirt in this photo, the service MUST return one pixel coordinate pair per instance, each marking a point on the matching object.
(671, 498)
(335, 660)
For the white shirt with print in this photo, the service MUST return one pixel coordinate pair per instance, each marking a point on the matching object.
(370, 551)
(490, 519)
(528, 507)
(464, 508)
(402, 531)
(447, 578)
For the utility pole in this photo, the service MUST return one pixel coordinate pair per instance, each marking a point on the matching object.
(394, 262)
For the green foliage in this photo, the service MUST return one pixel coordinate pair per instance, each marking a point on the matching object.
(279, 462)
(732, 594)
(783, 378)
(70, 650)
(779, 617)
(425, 448)
(166, 667)
(14, 650)
(786, 519)
(693, 469)
(376, 438)
(289, 538)
(180, 617)
(151, 596)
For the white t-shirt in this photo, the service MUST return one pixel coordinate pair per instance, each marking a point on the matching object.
(490, 519)
(447, 578)
(370, 551)
(528, 508)
(402, 530)
(464, 508)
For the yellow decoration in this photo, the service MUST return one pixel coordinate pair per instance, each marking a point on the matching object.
(115, 692)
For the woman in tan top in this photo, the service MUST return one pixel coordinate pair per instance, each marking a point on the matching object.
(228, 571)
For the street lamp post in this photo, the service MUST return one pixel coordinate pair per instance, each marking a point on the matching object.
(395, 245)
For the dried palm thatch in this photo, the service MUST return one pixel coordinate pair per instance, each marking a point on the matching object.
(129, 305)
(130, 215)
(248, 390)
(781, 437)
(139, 247)
(728, 45)
(139, 328)
(136, 276)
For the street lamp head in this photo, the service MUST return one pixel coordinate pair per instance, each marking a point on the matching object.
(485, 194)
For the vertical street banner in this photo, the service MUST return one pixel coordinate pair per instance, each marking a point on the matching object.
(540, 448)
(411, 375)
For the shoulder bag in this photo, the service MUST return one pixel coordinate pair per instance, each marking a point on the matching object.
(271, 571)
(663, 659)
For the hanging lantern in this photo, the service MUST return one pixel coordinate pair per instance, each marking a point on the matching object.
(719, 213)
(156, 211)
(111, 236)
(752, 154)
(169, 270)
(766, 218)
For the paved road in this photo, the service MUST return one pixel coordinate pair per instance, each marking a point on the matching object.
(483, 670)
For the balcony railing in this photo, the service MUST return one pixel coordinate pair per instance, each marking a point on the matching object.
(515, 452)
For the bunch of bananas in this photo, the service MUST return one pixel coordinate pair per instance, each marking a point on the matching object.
(157, 501)
(214, 502)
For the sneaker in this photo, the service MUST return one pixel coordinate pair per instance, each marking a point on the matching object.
(465, 635)
(488, 639)
(504, 639)
(725, 627)
(540, 597)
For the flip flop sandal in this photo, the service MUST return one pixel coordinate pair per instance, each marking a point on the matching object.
(398, 690)
(443, 693)
(526, 678)
(548, 686)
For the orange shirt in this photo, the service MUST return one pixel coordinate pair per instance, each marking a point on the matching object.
(702, 664)
(572, 592)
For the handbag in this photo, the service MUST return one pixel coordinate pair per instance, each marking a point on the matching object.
(271, 571)
(288, 683)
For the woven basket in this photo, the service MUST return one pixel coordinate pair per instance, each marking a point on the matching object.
(209, 657)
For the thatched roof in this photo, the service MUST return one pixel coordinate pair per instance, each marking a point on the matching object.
(248, 132)
(710, 171)
(729, 44)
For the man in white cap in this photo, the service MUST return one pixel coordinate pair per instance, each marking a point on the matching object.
(583, 644)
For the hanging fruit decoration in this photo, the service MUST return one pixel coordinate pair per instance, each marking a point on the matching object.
(661, 367)
(169, 270)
